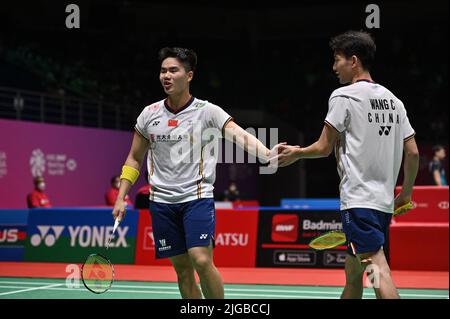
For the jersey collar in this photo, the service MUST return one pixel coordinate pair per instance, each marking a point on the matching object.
(180, 109)
(365, 80)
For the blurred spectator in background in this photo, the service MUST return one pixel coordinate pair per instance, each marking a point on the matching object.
(37, 198)
(111, 195)
(143, 195)
(436, 168)
(232, 193)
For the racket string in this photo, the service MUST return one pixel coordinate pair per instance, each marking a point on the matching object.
(97, 273)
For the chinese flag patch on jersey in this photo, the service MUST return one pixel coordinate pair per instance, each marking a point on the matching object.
(172, 123)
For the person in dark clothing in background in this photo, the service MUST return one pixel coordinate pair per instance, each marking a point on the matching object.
(436, 168)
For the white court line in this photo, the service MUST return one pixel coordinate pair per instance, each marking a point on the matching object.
(29, 289)
(295, 293)
(177, 293)
(369, 293)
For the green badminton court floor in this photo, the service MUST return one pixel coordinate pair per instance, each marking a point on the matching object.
(34, 288)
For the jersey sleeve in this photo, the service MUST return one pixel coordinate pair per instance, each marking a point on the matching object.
(338, 115)
(408, 131)
(216, 117)
(142, 122)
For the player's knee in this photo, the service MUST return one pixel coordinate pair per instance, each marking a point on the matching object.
(183, 267)
(380, 271)
(202, 263)
(384, 271)
(354, 278)
(185, 272)
(354, 281)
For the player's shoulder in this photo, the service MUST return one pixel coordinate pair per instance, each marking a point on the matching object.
(204, 105)
(356, 91)
(154, 107)
(200, 104)
(395, 97)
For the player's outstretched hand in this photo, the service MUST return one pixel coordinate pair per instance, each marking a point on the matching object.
(273, 154)
(276, 150)
(287, 154)
(119, 209)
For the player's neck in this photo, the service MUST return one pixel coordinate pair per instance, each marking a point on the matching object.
(178, 101)
(364, 75)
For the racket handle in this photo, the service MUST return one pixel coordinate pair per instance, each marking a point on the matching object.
(116, 224)
(403, 209)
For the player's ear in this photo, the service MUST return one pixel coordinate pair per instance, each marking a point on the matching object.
(190, 75)
(354, 61)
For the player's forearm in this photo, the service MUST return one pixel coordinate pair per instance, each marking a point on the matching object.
(256, 148)
(315, 150)
(411, 167)
(125, 185)
(248, 142)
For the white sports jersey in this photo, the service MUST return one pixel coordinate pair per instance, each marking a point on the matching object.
(373, 126)
(180, 162)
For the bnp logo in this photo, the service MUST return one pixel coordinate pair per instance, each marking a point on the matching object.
(384, 130)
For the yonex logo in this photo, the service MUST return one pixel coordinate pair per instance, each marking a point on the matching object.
(384, 130)
(203, 236)
(82, 236)
(46, 236)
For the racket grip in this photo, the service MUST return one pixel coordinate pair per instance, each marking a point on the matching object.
(116, 224)
(403, 209)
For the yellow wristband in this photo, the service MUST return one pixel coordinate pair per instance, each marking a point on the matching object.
(129, 173)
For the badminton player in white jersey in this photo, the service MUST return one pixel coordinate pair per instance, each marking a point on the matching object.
(368, 127)
(181, 167)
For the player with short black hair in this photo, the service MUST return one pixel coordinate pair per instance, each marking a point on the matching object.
(181, 166)
(186, 56)
(357, 43)
(369, 129)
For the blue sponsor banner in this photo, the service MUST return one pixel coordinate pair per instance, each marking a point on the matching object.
(71, 234)
(13, 233)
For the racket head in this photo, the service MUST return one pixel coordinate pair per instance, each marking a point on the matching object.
(328, 240)
(403, 209)
(97, 273)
